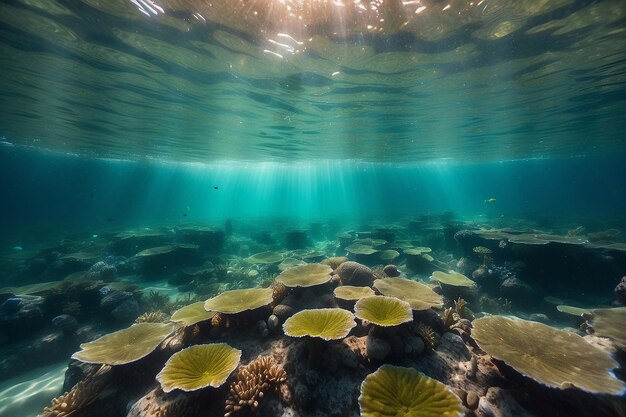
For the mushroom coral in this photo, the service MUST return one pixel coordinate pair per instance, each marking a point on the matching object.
(556, 358)
(265, 258)
(418, 295)
(383, 311)
(307, 275)
(318, 325)
(453, 279)
(237, 301)
(126, 345)
(361, 249)
(192, 314)
(199, 366)
(404, 392)
(324, 323)
(352, 293)
(611, 323)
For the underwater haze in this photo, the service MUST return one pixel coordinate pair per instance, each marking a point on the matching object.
(312, 208)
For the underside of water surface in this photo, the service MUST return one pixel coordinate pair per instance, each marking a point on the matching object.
(312, 208)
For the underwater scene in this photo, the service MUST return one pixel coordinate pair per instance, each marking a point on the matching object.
(307, 208)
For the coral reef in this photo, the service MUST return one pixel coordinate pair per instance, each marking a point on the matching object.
(152, 317)
(398, 318)
(253, 382)
(398, 391)
(556, 358)
(354, 273)
(199, 366)
(428, 335)
(80, 396)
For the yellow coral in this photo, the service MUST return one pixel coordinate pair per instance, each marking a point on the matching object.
(252, 383)
(553, 357)
(404, 392)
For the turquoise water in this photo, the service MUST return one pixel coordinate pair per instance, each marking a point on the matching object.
(151, 150)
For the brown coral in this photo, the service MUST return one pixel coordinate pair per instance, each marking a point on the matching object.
(158, 404)
(428, 335)
(220, 320)
(80, 396)
(334, 262)
(156, 316)
(461, 309)
(450, 318)
(279, 291)
(251, 384)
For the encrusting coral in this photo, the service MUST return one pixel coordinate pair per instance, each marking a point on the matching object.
(251, 385)
(80, 396)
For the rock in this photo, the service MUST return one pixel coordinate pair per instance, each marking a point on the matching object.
(466, 265)
(157, 403)
(480, 273)
(290, 301)
(11, 305)
(102, 270)
(261, 328)
(515, 289)
(273, 323)
(452, 345)
(25, 317)
(391, 271)
(377, 348)
(413, 345)
(354, 273)
(344, 355)
(540, 317)
(500, 403)
(113, 299)
(620, 291)
(303, 397)
(283, 312)
(67, 323)
(472, 400)
(126, 311)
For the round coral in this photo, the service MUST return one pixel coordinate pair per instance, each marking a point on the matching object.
(354, 273)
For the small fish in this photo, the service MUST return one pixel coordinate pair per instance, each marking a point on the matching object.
(490, 200)
(17, 248)
(94, 236)
(109, 219)
(215, 187)
(184, 214)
